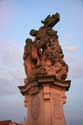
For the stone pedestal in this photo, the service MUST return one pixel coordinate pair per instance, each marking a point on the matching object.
(46, 106)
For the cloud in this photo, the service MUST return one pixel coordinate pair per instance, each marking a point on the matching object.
(11, 63)
(72, 56)
(77, 69)
(11, 76)
(9, 87)
(11, 68)
(75, 66)
(12, 108)
(71, 48)
(4, 13)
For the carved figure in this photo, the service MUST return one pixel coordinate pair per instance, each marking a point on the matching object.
(50, 21)
(30, 57)
(43, 55)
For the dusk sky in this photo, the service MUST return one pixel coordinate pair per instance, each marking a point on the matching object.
(17, 18)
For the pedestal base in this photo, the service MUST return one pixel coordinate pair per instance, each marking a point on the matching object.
(46, 107)
(44, 100)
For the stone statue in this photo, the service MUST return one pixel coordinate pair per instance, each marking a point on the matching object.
(43, 55)
(46, 73)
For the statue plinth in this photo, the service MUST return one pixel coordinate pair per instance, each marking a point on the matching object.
(45, 103)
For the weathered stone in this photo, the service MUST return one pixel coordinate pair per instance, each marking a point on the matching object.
(44, 55)
(46, 73)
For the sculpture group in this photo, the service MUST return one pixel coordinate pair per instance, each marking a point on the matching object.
(46, 73)
(43, 56)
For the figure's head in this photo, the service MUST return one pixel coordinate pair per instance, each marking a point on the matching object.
(33, 32)
(28, 41)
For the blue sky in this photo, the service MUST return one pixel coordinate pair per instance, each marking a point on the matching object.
(17, 18)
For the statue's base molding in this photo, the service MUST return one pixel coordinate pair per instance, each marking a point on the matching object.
(35, 86)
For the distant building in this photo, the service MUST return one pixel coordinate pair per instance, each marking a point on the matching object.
(6, 122)
(9, 122)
